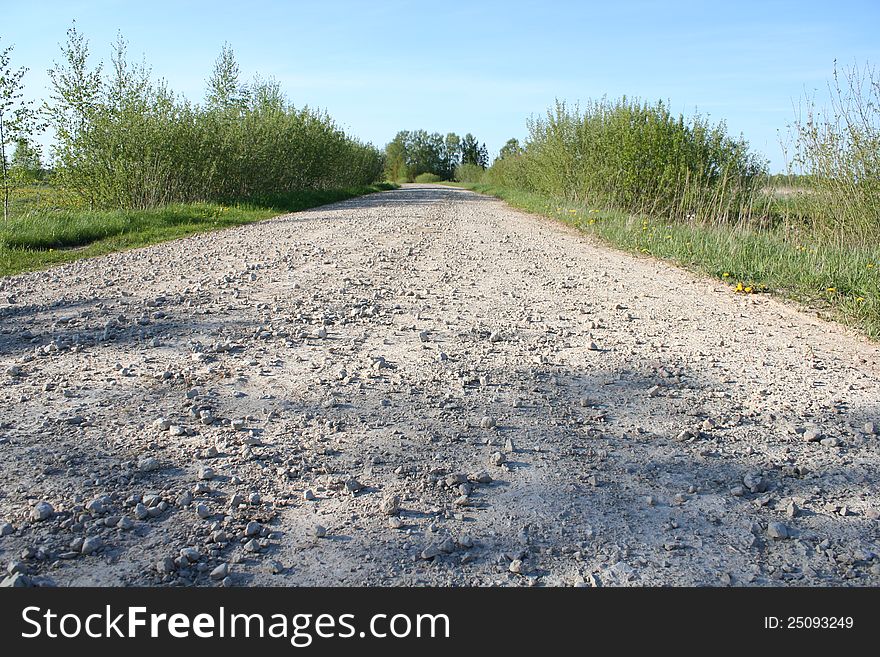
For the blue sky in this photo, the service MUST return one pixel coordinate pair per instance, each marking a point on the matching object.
(480, 67)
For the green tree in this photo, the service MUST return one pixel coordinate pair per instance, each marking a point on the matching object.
(16, 118)
(472, 152)
(26, 165)
(73, 103)
(225, 91)
(396, 157)
(510, 149)
(452, 152)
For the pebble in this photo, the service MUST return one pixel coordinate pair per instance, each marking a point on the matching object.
(812, 436)
(309, 495)
(140, 511)
(870, 428)
(41, 511)
(190, 554)
(125, 523)
(755, 482)
(792, 510)
(319, 531)
(447, 546)
(16, 581)
(148, 464)
(91, 544)
(831, 441)
(395, 522)
(497, 459)
(16, 567)
(508, 446)
(95, 507)
(487, 422)
(6, 529)
(252, 545)
(516, 566)
(390, 505)
(162, 424)
(165, 566)
(777, 530)
(353, 485)
(481, 477)
(203, 511)
(220, 572)
(205, 473)
(252, 529)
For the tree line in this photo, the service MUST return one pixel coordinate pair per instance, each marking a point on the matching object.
(415, 152)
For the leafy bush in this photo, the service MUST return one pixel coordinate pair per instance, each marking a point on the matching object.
(427, 178)
(633, 156)
(469, 173)
(125, 141)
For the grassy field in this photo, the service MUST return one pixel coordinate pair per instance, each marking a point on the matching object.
(840, 279)
(42, 231)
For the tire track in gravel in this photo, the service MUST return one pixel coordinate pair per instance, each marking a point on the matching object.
(547, 411)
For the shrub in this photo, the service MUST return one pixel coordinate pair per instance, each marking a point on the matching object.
(469, 173)
(427, 178)
(636, 157)
(129, 142)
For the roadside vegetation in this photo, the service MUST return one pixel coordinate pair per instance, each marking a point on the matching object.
(684, 190)
(134, 163)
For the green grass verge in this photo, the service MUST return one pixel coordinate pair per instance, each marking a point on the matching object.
(37, 239)
(841, 280)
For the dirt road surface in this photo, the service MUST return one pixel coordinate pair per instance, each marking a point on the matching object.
(426, 387)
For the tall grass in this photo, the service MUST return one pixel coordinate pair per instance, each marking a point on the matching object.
(839, 148)
(636, 157)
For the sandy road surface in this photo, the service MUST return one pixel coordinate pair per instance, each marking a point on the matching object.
(542, 410)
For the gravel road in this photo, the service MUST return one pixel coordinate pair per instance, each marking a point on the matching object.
(426, 387)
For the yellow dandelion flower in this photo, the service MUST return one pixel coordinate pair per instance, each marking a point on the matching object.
(725, 274)
(831, 289)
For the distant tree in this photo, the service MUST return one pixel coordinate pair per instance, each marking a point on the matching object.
(472, 152)
(483, 156)
(225, 91)
(395, 157)
(16, 118)
(26, 166)
(510, 149)
(452, 154)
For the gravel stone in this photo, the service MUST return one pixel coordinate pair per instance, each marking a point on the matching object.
(41, 511)
(777, 530)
